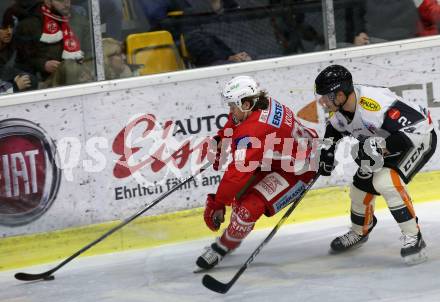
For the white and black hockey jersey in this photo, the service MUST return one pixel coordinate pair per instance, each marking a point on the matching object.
(406, 127)
(380, 112)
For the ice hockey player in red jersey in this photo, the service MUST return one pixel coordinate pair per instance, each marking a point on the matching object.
(266, 142)
(396, 139)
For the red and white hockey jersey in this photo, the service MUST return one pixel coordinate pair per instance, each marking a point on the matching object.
(264, 140)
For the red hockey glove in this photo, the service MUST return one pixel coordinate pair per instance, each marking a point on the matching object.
(214, 213)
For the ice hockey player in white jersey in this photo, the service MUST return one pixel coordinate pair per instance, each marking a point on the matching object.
(396, 139)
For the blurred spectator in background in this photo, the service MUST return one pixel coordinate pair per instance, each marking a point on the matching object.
(70, 72)
(12, 79)
(206, 49)
(80, 7)
(218, 6)
(110, 13)
(429, 12)
(111, 18)
(379, 21)
(115, 61)
(22, 8)
(7, 27)
(51, 32)
(21, 82)
(157, 10)
(293, 33)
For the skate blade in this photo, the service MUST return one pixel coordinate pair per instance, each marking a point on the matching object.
(415, 259)
(354, 247)
(199, 270)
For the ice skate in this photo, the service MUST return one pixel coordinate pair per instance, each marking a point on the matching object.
(350, 240)
(413, 251)
(212, 256)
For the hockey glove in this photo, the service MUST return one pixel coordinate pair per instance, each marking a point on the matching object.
(327, 160)
(326, 163)
(327, 157)
(214, 213)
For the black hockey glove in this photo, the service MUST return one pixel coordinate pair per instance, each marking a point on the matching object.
(327, 157)
(327, 162)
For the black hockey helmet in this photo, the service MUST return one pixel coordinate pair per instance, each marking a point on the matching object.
(334, 78)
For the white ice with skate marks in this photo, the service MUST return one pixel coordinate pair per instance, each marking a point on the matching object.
(294, 266)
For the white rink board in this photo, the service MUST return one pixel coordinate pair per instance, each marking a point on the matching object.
(87, 197)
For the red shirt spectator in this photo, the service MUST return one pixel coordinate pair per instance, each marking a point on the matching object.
(429, 12)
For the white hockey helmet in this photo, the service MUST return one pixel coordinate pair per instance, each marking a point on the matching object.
(239, 88)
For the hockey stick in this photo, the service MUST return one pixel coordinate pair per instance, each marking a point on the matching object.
(48, 274)
(222, 288)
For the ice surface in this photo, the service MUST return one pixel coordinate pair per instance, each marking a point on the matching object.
(294, 266)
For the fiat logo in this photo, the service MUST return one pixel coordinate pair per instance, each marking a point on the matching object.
(29, 176)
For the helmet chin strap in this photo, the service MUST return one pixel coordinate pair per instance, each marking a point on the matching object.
(247, 110)
(339, 107)
(234, 119)
(349, 115)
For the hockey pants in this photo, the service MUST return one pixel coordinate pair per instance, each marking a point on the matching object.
(387, 183)
(269, 193)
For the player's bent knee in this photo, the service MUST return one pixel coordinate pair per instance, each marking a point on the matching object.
(382, 181)
(250, 207)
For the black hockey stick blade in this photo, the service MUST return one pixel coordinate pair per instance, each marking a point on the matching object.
(33, 277)
(215, 285)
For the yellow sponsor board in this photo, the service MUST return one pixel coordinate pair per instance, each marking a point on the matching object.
(369, 104)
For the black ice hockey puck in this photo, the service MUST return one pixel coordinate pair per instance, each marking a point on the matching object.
(49, 278)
